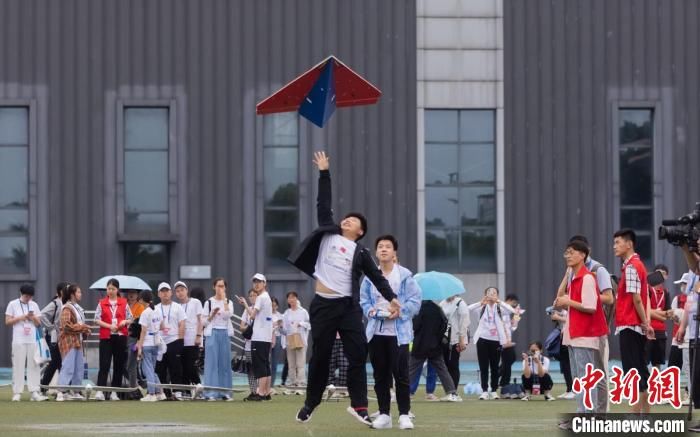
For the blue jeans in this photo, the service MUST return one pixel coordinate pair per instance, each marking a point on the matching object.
(217, 362)
(148, 367)
(71, 368)
(430, 381)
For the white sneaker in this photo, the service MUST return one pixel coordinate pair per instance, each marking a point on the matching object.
(177, 395)
(525, 398)
(452, 397)
(16, 398)
(149, 398)
(410, 415)
(484, 396)
(36, 397)
(60, 397)
(383, 421)
(431, 397)
(161, 397)
(563, 395)
(569, 395)
(405, 421)
(374, 415)
(494, 395)
(75, 397)
(114, 396)
(98, 396)
(549, 398)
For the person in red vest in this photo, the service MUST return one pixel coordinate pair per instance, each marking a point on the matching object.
(113, 316)
(660, 304)
(585, 325)
(632, 313)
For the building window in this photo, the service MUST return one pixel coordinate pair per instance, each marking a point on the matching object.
(636, 140)
(14, 190)
(146, 143)
(150, 262)
(460, 191)
(281, 188)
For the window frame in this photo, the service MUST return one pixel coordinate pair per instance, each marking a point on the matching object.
(172, 234)
(463, 229)
(32, 190)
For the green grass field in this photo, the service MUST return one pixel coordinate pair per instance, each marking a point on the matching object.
(470, 418)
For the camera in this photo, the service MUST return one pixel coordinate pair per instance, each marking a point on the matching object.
(683, 230)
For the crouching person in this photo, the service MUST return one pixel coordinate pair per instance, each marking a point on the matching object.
(536, 379)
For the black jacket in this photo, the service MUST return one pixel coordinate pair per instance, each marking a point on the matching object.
(304, 257)
(429, 327)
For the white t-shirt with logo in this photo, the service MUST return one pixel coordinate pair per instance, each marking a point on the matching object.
(172, 315)
(193, 309)
(262, 328)
(490, 326)
(23, 332)
(150, 322)
(334, 264)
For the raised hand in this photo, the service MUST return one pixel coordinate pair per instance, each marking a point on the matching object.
(321, 160)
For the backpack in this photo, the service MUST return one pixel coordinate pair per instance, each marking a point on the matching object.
(608, 310)
(552, 344)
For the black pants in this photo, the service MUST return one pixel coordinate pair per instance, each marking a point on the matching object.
(565, 367)
(285, 370)
(546, 382)
(507, 360)
(169, 369)
(344, 316)
(451, 355)
(53, 366)
(190, 373)
(112, 352)
(389, 360)
(694, 374)
(488, 353)
(675, 357)
(633, 355)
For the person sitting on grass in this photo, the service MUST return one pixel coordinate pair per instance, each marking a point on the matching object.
(536, 377)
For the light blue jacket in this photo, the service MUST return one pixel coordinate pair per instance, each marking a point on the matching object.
(409, 297)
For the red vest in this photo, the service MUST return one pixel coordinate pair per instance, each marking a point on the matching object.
(106, 317)
(625, 313)
(682, 298)
(583, 324)
(658, 302)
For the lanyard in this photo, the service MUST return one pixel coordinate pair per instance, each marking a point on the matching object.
(113, 309)
(490, 315)
(188, 302)
(170, 308)
(659, 300)
(21, 305)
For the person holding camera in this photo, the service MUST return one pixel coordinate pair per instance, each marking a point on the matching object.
(585, 324)
(536, 377)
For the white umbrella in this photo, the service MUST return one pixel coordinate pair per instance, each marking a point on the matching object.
(125, 283)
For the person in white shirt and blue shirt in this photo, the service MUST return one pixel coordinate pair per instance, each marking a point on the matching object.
(389, 334)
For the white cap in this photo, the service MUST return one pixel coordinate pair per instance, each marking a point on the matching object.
(180, 284)
(684, 279)
(259, 277)
(164, 285)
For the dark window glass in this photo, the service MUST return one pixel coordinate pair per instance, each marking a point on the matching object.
(150, 262)
(281, 188)
(146, 170)
(14, 190)
(636, 141)
(460, 194)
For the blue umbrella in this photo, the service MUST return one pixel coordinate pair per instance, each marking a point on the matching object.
(125, 283)
(438, 285)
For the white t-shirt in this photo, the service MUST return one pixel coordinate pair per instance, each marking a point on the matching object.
(262, 328)
(533, 366)
(192, 309)
(23, 332)
(150, 322)
(245, 318)
(221, 320)
(334, 264)
(386, 327)
(489, 329)
(297, 321)
(172, 315)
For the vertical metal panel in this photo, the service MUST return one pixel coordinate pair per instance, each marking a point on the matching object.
(215, 59)
(567, 67)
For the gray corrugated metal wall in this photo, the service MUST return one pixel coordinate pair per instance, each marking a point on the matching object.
(568, 65)
(215, 59)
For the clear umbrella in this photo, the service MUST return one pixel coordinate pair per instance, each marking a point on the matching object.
(125, 283)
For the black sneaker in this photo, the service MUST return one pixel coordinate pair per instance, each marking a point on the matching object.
(253, 397)
(304, 415)
(266, 398)
(361, 415)
(694, 428)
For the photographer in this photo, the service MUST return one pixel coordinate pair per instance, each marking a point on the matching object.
(536, 377)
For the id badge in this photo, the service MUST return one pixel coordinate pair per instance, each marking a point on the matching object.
(494, 332)
(27, 330)
(166, 329)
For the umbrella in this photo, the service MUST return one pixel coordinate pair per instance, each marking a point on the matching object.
(438, 285)
(316, 93)
(125, 283)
